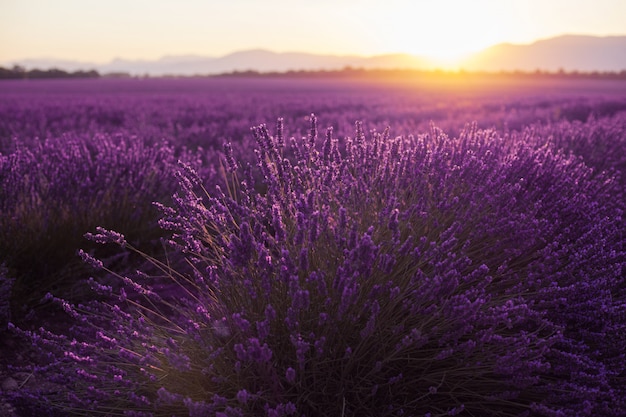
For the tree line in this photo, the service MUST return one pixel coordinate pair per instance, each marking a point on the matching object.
(20, 73)
(374, 73)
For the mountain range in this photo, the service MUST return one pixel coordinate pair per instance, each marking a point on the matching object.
(567, 52)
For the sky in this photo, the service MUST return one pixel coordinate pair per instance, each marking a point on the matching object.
(98, 31)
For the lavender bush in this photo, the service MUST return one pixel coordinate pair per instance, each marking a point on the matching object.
(600, 142)
(420, 276)
(53, 192)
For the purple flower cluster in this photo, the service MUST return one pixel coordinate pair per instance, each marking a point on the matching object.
(599, 142)
(53, 192)
(414, 275)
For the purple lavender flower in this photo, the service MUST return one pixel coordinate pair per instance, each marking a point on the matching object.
(431, 275)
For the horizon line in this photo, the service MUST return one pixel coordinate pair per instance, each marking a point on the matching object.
(287, 52)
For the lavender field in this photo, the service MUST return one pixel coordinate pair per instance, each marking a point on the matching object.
(274, 246)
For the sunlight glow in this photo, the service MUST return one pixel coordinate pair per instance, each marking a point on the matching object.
(441, 30)
(444, 31)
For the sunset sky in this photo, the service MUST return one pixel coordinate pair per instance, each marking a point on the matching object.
(98, 31)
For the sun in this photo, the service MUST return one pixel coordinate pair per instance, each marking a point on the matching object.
(441, 50)
(443, 31)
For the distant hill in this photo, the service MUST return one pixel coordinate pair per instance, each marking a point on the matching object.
(569, 52)
(258, 60)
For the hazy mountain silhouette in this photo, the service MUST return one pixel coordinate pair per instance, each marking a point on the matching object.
(258, 60)
(568, 52)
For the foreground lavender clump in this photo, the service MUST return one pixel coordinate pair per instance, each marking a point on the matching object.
(419, 276)
(53, 191)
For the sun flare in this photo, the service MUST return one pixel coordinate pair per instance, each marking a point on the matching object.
(466, 28)
(442, 51)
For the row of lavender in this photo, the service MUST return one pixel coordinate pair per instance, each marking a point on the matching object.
(474, 274)
(205, 112)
